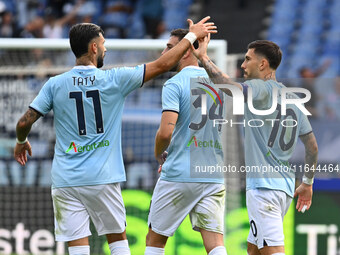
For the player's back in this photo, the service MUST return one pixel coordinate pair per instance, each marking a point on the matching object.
(182, 152)
(270, 140)
(87, 105)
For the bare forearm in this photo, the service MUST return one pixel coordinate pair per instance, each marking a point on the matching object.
(311, 154)
(215, 74)
(166, 61)
(25, 123)
(161, 144)
(311, 159)
(171, 58)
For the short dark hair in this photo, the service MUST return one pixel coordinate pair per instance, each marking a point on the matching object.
(180, 33)
(80, 36)
(268, 49)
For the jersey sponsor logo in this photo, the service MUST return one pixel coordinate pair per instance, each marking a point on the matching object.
(88, 147)
(204, 144)
(193, 139)
(72, 146)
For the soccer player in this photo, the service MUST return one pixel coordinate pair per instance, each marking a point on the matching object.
(88, 166)
(269, 194)
(178, 194)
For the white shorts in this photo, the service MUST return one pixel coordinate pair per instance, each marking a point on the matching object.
(173, 201)
(74, 206)
(266, 209)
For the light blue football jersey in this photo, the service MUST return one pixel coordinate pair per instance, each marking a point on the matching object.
(88, 103)
(269, 146)
(195, 142)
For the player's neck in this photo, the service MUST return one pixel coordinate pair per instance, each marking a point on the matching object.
(269, 76)
(186, 65)
(84, 61)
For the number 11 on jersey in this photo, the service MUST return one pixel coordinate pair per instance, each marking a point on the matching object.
(94, 94)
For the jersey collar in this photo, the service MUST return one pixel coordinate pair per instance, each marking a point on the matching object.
(193, 67)
(84, 67)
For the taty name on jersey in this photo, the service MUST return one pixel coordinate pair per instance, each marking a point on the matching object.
(83, 81)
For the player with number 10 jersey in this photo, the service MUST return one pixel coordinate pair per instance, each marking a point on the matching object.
(269, 147)
(269, 143)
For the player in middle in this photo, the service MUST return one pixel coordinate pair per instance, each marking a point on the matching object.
(177, 193)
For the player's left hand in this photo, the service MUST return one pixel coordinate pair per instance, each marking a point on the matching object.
(20, 154)
(202, 28)
(304, 193)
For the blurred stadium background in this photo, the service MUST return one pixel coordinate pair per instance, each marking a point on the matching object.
(308, 31)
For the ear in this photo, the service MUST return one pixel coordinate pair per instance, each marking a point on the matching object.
(263, 64)
(93, 47)
(187, 53)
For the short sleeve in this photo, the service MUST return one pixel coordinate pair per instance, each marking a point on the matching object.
(259, 91)
(305, 127)
(170, 97)
(43, 102)
(129, 78)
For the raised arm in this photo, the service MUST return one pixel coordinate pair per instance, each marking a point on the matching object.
(305, 190)
(23, 128)
(215, 74)
(170, 58)
(73, 13)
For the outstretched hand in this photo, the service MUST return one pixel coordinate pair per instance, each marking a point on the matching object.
(202, 29)
(304, 193)
(20, 154)
(202, 48)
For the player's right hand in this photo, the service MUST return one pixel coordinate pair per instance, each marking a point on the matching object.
(304, 193)
(20, 154)
(202, 29)
(161, 158)
(201, 51)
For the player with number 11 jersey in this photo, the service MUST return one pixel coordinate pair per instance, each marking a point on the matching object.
(89, 104)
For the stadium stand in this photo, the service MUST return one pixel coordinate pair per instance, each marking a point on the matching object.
(308, 33)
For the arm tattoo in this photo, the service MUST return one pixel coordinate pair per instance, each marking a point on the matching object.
(29, 117)
(215, 73)
(25, 123)
(311, 154)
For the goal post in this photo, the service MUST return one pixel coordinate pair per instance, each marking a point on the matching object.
(217, 50)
